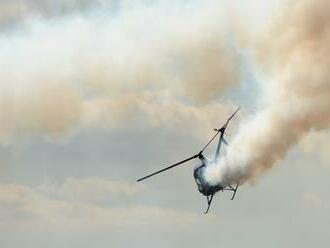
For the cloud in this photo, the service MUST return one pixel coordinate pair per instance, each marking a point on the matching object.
(317, 144)
(72, 206)
(15, 13)
(312, 200)
(57, 73)
(92, 190)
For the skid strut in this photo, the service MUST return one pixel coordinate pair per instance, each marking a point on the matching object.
(231, 188)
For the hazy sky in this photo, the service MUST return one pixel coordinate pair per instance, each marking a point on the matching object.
(95, 94)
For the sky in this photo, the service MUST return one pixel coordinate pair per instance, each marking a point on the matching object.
(96, 94)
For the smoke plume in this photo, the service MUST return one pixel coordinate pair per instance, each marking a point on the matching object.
(296, 56)
(61, 71)
(156, 62)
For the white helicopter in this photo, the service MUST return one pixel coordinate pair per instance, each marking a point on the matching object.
(204, 186)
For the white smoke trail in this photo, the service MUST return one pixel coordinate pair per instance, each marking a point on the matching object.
(296, 55)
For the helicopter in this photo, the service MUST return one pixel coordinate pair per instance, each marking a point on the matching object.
(204, 186)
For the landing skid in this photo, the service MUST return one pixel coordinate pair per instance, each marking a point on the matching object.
(233, 189)
(209, 200)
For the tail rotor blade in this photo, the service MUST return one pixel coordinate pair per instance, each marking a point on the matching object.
(167, 168)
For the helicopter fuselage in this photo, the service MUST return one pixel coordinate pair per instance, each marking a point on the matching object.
(203, 185)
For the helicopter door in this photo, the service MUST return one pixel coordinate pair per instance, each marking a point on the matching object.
(198, 175)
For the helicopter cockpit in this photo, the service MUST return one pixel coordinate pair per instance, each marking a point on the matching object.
(203, 186)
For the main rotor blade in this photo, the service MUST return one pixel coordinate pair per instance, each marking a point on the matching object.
(231, 117)
(219, 130)
(215, 135)
(167, 168)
